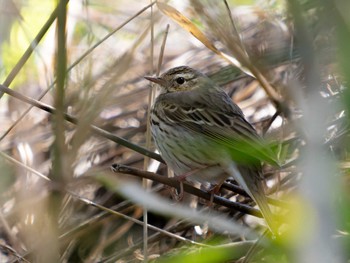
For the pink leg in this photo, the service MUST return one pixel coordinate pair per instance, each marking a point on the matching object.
(214, 191)
(178, 196)
(182, 177)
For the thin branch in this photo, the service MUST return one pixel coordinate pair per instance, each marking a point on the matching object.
(134, 220)
(75, 63)
(13, 160)
(233, 25)
(87, 52)
(104, 209)
(271, 120)
(153, 238)
(145, 182)
(74, 120)
(253, 250)
(30, 49)
(173, 182)
(162, 48)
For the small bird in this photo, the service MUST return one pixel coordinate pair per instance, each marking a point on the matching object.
(204, 137)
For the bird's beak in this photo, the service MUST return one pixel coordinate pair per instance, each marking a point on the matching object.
(158, 81)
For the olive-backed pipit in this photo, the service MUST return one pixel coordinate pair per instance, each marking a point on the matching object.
(203, 136)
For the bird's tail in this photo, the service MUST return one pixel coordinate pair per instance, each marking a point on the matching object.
(261, 200)
(252, 183)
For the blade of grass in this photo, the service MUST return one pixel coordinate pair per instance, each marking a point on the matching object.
(30, 50)
(104, 209)
(61, 171)
(240, 60)
(73, 120)
(74, 64)
(145, 182)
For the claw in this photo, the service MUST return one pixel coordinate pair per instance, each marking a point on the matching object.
(213, 191)
(178, 196)
(182, 177)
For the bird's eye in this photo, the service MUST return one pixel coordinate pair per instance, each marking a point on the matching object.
(180, 80)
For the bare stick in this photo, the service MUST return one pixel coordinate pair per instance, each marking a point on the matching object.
(173, 182)
(74, 120)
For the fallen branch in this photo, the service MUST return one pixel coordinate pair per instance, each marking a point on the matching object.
(173, 182)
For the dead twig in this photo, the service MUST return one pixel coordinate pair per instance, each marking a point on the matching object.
(173, 182)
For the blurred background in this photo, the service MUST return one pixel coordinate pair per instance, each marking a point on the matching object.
(74, 102)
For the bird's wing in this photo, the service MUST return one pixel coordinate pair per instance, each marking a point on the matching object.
(219, 119)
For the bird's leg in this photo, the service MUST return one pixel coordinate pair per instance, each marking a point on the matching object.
(214, 190)
(178, 196)
(181, 178)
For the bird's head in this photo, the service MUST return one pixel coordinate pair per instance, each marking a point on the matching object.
(181, 78)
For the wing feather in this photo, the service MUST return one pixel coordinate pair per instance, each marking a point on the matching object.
(220, 120)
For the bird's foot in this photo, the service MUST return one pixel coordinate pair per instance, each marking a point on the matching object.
(178, 195)
(214, 190)
(183, 177)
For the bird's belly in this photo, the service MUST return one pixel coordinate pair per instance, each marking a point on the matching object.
(194, 157)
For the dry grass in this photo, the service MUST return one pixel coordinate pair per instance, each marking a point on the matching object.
(76, 103)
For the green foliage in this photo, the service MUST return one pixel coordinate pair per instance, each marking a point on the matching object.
(23, 30)
(101, 219)
(7, 179)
